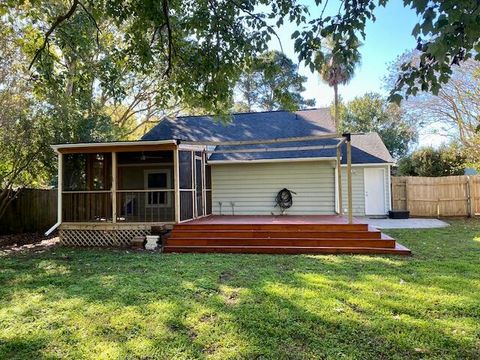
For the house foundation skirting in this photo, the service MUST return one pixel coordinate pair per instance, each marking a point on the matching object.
(100, 238)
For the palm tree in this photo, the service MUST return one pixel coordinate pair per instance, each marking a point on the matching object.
(336, 68)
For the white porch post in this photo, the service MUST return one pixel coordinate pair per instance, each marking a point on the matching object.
(60, 188)
(114, 187)
(176, 181)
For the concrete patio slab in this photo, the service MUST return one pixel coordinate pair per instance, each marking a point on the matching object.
(413, 223)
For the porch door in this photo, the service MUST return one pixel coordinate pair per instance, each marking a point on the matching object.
(198, 184)
(374, 191)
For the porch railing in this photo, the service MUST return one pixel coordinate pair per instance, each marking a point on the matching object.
(146, 205)
(87, 206)
(132, 206)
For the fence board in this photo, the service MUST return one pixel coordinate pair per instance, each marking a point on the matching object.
(34, 210)
(437, 196)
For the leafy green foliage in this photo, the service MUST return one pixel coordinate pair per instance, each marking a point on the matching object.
(198, 45)
(118, 304)
(22, 130)
(448, 34)
(195, 45)
(447, 160)
(372, 113)
(271, 82)
(337, 68)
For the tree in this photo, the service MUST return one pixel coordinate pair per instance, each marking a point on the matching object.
(337, 69)
(271, 82)
(447, 34)
(455, 110)
(373, 113)
(199, 44)
(457, 104)
(427, 161)
(21, 128)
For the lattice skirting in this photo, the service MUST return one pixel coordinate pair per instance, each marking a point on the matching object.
(116, 237)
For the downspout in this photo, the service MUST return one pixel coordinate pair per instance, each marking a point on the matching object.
(59, 196)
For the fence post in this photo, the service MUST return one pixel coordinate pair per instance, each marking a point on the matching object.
(407, 195)
(471, 197)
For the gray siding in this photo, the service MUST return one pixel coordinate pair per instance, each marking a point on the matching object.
(253, 187)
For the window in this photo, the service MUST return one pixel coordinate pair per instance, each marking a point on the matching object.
(157, 180)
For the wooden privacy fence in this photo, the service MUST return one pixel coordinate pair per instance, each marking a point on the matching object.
(34, 210)
(437, 196)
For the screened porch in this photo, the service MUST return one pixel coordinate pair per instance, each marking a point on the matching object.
(148, 186)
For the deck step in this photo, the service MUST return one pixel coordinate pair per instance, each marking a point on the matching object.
(280, 235)
(187, 233)
(302, 242)
(397, 250)
(278, 227)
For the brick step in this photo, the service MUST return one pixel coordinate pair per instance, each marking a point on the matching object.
(278, 227)
(397, 250)
(328, 234)
(301, 242)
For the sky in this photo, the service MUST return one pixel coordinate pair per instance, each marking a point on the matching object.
(386, 38)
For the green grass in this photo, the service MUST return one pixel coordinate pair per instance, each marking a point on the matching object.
(84, 303)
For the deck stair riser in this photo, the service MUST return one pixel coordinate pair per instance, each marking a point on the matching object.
(302, 242)
(276, 234)
(283, 227)
(398, 250)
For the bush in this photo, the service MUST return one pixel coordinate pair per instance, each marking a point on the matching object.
(427, 161)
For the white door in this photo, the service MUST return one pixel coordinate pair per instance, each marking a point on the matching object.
(374, 191)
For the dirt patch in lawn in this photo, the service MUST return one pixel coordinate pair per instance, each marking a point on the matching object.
(27, 242)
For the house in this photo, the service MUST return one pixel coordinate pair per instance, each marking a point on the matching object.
(235, 175)
(193, 166)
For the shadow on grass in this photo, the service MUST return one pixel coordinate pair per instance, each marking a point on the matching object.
(90, 303)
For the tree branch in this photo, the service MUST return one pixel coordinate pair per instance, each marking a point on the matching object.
(59, 20)
(262, 21)
(89, 14)
(166, 13)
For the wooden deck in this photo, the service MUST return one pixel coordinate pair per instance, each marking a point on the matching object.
(308, 234)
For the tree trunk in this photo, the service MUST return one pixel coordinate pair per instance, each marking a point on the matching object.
(335, 91)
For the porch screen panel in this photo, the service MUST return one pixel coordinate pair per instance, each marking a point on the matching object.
(185, 159)
(145, 190)
(186, 205)
(185, 170)
(199, 183)
(208, 189)
(87, 172)
(87, 180)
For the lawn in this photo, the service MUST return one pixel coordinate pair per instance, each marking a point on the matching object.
(86, 303)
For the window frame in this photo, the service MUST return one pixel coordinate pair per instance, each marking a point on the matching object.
(168, 173)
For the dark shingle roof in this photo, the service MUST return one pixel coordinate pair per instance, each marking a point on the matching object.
(366, 148)
(245, 126)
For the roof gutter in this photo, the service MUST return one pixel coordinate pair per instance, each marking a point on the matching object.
(258, 161)
(56, 147)
(370, 164)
